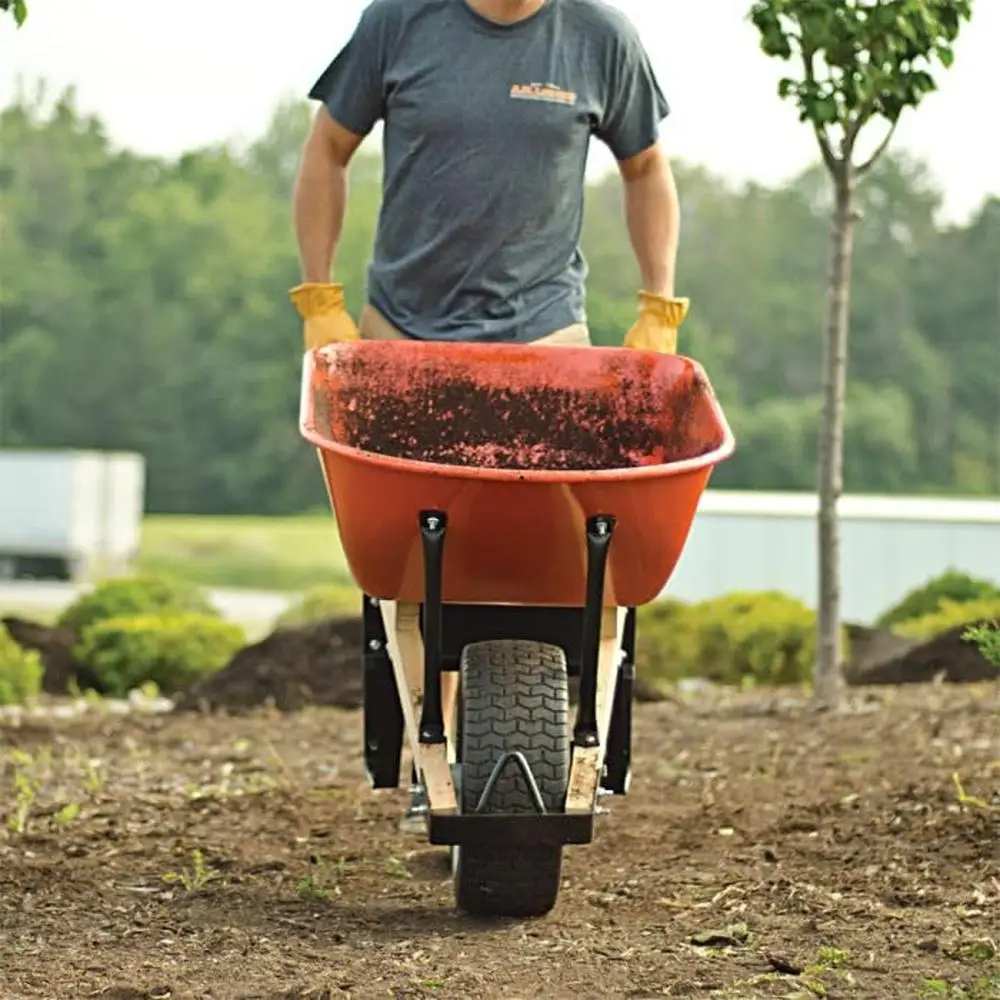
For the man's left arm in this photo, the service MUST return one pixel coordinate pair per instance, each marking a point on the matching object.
(652, 214)
(635, 106)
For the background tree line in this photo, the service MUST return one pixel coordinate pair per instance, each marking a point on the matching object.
(143, 307)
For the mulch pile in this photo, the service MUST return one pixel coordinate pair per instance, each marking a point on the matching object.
(292, 669)
(947, 656)
(315, 664)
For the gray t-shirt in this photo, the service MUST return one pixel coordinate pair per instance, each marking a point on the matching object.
(486, 134)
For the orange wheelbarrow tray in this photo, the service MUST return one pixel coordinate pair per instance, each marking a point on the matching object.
(505, 508)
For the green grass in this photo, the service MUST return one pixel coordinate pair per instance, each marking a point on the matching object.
(40, 614)
(254, 553)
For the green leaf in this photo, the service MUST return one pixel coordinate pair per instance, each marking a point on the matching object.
(823, 111)
(68, 813)
(858, 60)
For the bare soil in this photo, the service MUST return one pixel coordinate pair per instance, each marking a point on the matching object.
(763, 851)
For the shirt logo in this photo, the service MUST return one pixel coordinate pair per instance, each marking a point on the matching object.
(547, 92)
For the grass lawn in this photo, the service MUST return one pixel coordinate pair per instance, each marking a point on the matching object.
(255, 553)
(284, 554)
(42, 614)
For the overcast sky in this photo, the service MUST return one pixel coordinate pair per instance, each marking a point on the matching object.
(168, 76)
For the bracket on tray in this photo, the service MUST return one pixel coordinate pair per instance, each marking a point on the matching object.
(433, 525)
(529, 779)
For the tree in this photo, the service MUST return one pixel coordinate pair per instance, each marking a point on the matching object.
(19, 8)
(859, 62)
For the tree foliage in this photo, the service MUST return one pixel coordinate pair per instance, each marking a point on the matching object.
(143, 305)
(17, 8)
(860, 60)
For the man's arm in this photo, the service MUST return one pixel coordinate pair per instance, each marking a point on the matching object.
(634, 108)
(652, 214)
(321, 195)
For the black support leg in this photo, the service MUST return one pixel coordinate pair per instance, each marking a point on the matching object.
(599, 531)
(432, 532)
(383, 713)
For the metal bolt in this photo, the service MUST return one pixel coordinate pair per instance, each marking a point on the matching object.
(373, 602)
(433, 523)
(602, 527)
(374, 645)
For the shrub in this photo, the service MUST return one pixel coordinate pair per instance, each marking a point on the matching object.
(172, 651)
(21, 671)
(925, 600)
(764, 638)
(951, 615)
(987, 638)
(321, 603)
(124, 596)
(661, 633)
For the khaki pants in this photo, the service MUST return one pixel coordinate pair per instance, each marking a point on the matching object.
(374, 326)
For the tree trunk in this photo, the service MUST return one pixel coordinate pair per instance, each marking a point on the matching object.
(831, 442)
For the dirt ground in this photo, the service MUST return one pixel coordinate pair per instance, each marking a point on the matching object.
(762, 852)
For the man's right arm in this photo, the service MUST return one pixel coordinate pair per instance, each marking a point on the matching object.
(351, 91)
(321, 195)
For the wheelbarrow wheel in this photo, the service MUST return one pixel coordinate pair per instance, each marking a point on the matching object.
(514, 698)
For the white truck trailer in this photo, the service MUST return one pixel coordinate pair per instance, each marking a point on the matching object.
(67, 515)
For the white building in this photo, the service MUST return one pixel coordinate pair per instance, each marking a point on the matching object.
(768, 541)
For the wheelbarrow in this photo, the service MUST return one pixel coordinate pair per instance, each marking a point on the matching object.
(504, 510)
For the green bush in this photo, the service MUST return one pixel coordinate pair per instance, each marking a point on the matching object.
(320, 603)
(761, 638)
(951, 586)
(951, 615)
(987, 638)
(661, 629)
(124, 596)
(21, 671)
(172, 651)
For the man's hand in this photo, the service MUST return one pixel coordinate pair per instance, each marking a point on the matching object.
(656, 328)
(324, 315)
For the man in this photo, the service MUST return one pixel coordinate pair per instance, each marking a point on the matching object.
(488, 107)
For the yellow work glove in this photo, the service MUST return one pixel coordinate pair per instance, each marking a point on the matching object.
(324, 315)
(657, 325)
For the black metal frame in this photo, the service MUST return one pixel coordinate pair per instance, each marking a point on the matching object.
(618, 755)
(447, 629)
(383, 711)
(433, 525)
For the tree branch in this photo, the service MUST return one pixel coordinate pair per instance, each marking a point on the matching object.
(826, 148)
(822, 137)
(863, 169)
(854, 127)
